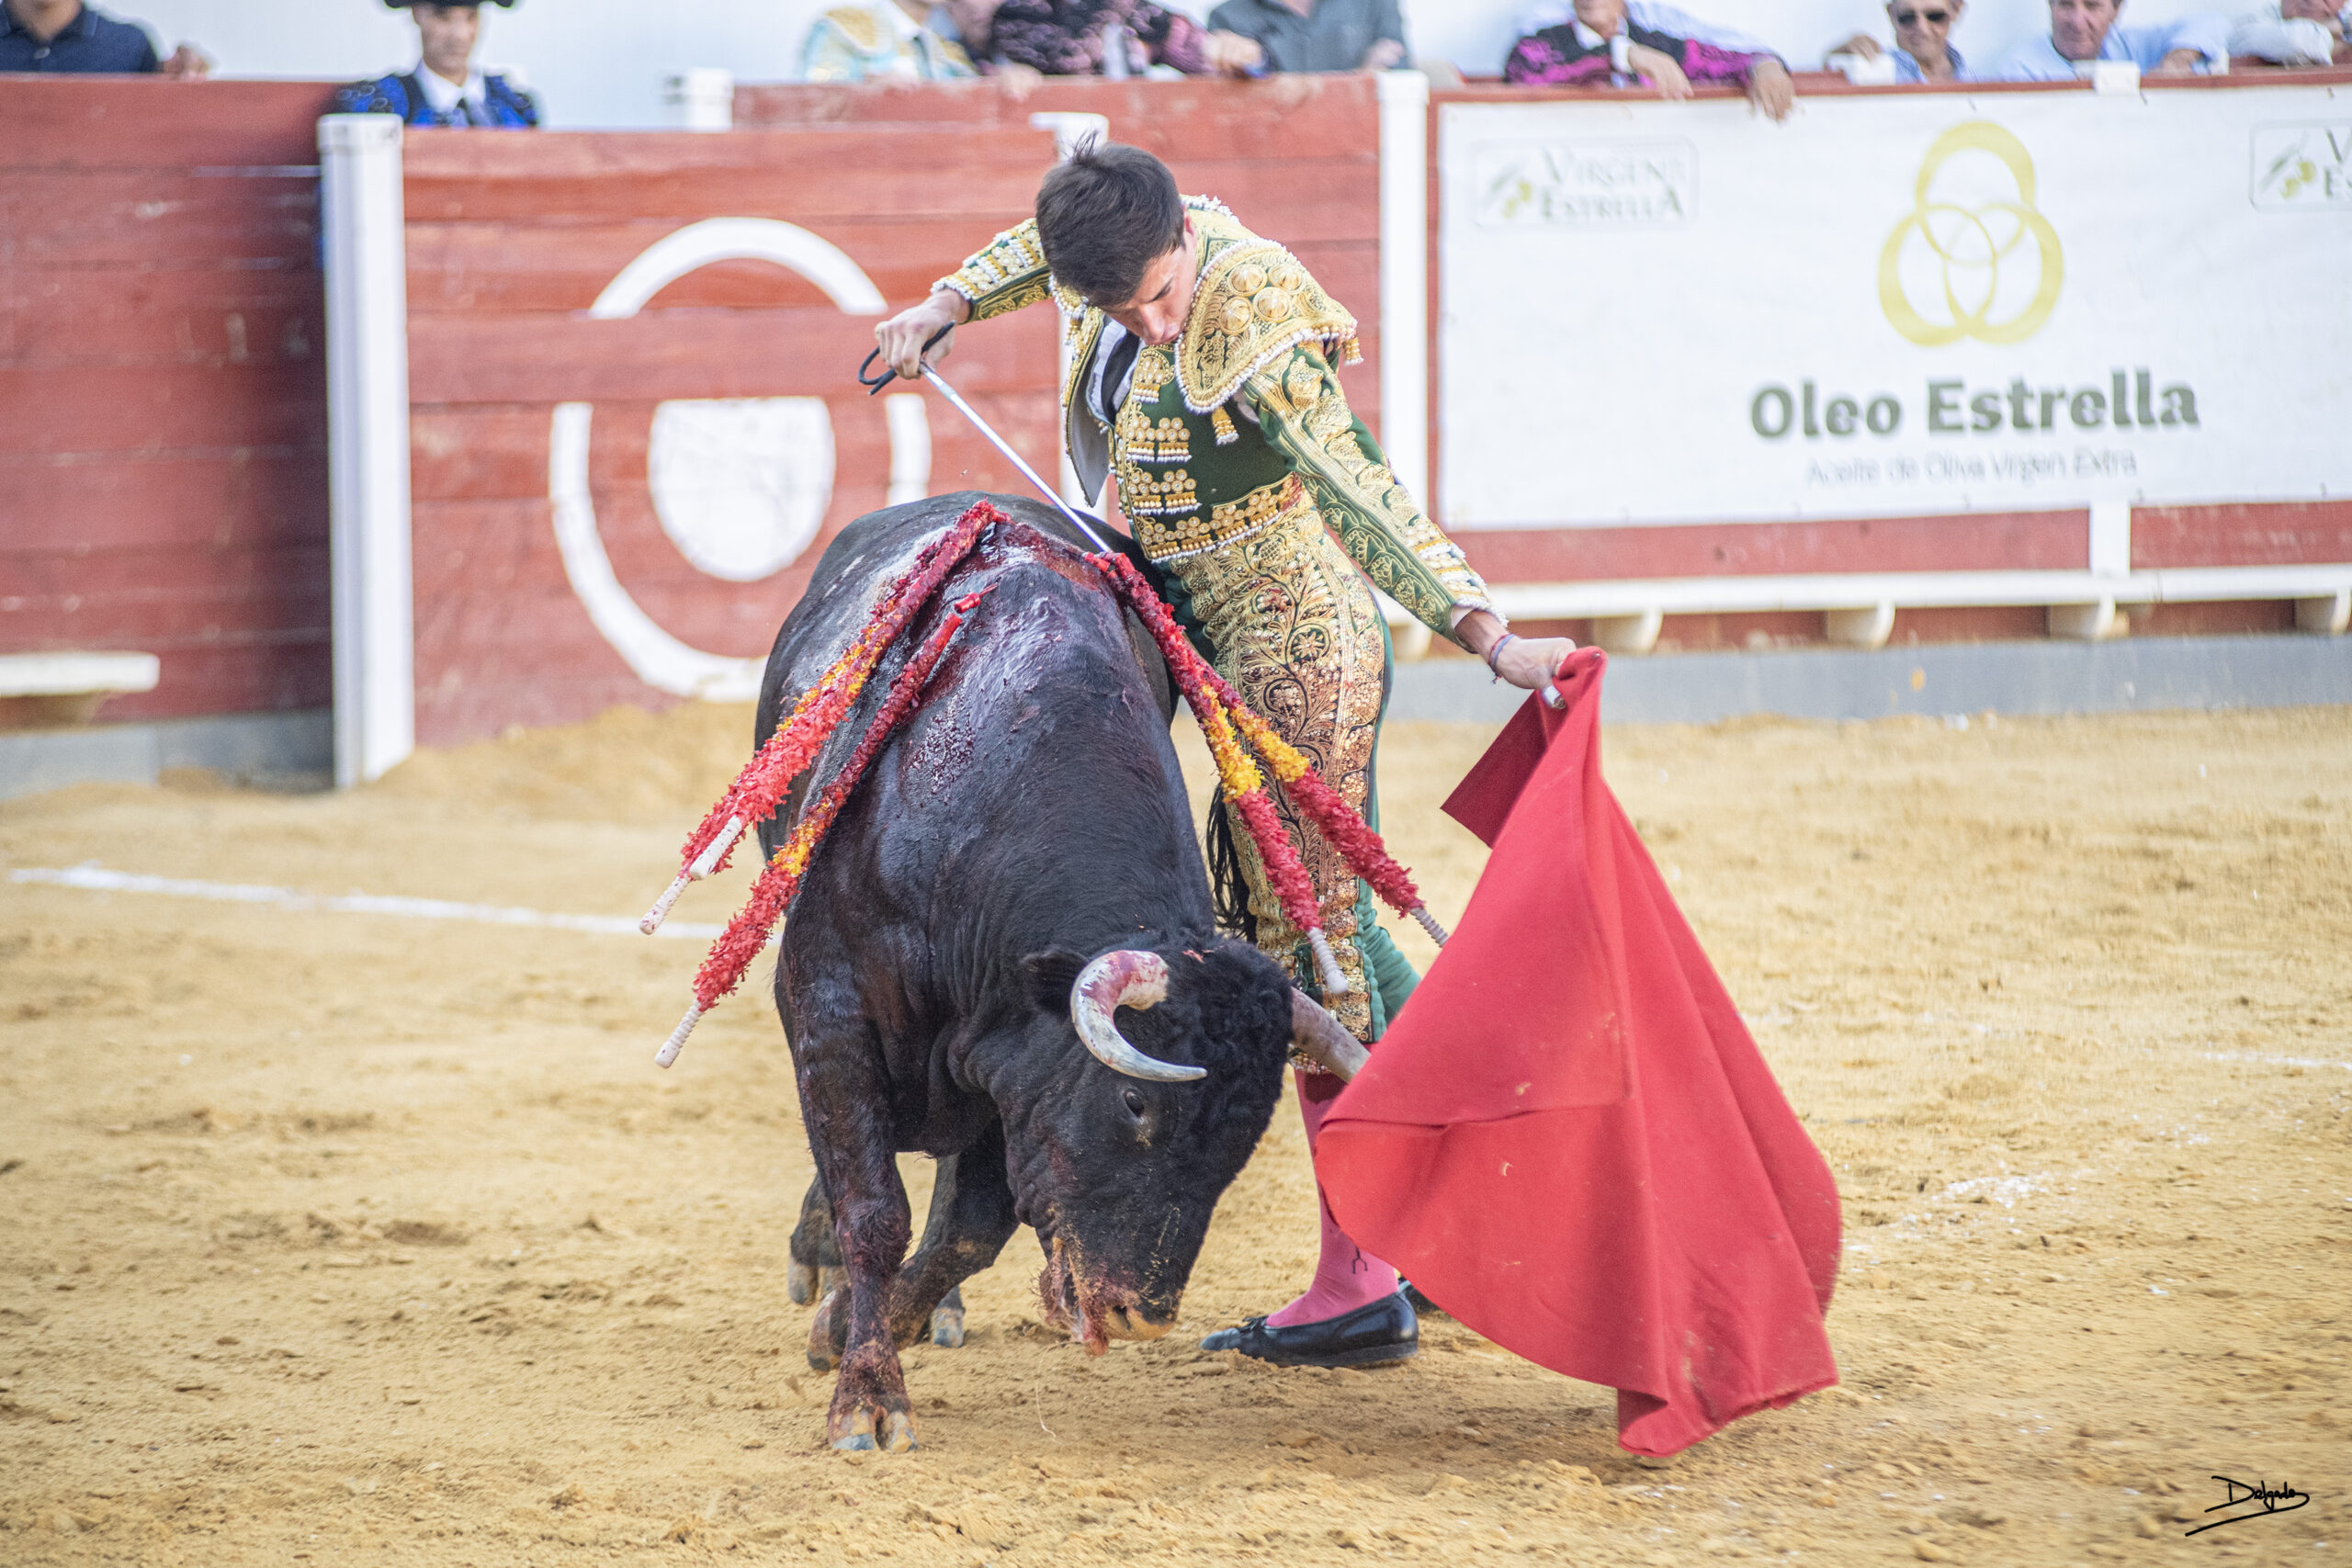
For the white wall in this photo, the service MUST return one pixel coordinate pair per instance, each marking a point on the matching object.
(602, 62)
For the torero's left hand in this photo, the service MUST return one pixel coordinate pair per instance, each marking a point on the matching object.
(1526, 662)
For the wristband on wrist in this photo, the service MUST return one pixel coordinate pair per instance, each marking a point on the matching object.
(1494, 652)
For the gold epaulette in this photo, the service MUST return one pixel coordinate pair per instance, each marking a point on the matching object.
(1254, 304)
(858, 25)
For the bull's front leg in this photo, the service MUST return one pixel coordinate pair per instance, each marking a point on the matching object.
(848, 1131)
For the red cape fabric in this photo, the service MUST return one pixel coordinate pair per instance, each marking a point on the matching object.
(1567, 1138)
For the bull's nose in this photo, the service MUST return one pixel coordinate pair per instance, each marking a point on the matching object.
(1128, 1323)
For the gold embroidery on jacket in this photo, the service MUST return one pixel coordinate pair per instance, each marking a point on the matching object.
(1253, 303)
(1298, 634)
(1229, 524)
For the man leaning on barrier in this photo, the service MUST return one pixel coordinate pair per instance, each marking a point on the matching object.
(2083, 32)
(1602, 45)
(446, 89)
(2294, 32)
(67, 38)
(1317, 35)
(1770, 87)
(1923, 51)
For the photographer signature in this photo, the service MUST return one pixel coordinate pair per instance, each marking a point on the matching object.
(2274, 1500)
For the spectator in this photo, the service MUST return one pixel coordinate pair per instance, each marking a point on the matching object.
(889, 40)
(1654, 15)
(1600, 44)
(67, 37)
(1317, 35)
(444, 89)
(2294, 32)
(1923, 51)
(1112, 37)
(2085, 31)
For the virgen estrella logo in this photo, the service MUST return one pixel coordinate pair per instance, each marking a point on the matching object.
(1973, 258)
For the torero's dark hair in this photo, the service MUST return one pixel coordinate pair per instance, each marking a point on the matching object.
(1104, 214)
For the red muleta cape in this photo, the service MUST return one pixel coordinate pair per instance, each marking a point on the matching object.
(1567, 1138)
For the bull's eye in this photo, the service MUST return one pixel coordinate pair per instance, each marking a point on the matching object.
(1135, 1104)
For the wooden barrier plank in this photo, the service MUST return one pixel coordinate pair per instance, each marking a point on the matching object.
(278, 675)
(800, 175)
(79, 123)
(564, 266)
(61, 317)
(536, 267)
(2020, 541)
(186, 587)
(253, 499)
(690, 354)
(2288, 534)
(157, 407)
(1291, 118)
(149, 218)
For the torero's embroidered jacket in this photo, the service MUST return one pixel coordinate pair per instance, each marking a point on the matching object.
(1237, 425)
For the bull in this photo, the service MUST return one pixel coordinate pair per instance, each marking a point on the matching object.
(1004, 956)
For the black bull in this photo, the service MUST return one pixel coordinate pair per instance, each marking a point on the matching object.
(1018, 861)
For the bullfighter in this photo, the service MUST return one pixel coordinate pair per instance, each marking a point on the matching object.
(445, 88)
(1204, 373)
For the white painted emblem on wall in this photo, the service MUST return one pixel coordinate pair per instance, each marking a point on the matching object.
(741, 484)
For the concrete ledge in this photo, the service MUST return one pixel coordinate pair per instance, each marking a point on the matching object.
(293, 747)
(2132, 675)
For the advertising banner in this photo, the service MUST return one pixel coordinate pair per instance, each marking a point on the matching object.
(1892, 305)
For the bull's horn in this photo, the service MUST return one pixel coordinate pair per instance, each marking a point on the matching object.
(1127, 978)
(1323, 1039)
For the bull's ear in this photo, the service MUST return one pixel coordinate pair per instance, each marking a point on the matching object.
(1051, 975)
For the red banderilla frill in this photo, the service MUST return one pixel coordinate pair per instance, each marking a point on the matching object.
(732, 954)
(767, 778)
(1213, 698)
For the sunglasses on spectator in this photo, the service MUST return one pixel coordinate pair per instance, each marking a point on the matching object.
(1905, 18)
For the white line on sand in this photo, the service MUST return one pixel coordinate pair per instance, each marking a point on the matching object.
(95, 878)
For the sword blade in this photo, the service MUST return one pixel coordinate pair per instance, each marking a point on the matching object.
(999, 442)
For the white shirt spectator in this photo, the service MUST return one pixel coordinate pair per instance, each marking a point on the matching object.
(2268, 34)
(2038, 59)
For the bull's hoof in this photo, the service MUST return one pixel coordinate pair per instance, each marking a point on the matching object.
(858, 1434)
(800, 1283)
(947, 1326)
(822, 1354)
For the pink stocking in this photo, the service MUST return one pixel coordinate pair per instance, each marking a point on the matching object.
(1346, 1277)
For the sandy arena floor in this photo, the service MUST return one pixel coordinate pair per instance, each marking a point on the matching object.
(347, 1238)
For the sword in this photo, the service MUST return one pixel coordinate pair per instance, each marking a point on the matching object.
(1078, 519)
(1554, 698)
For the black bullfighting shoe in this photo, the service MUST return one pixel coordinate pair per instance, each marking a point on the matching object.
(1383, 1331)
(1421, 1304)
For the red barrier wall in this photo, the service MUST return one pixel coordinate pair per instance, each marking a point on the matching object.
(163, 392)
(511, 240)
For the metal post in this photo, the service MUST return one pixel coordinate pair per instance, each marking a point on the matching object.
(363, 222)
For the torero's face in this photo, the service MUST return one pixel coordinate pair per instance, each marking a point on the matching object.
(1157, 313)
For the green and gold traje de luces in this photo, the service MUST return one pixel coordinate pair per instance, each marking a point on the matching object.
(1252, 486)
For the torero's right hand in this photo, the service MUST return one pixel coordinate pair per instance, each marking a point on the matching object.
(902, 336)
